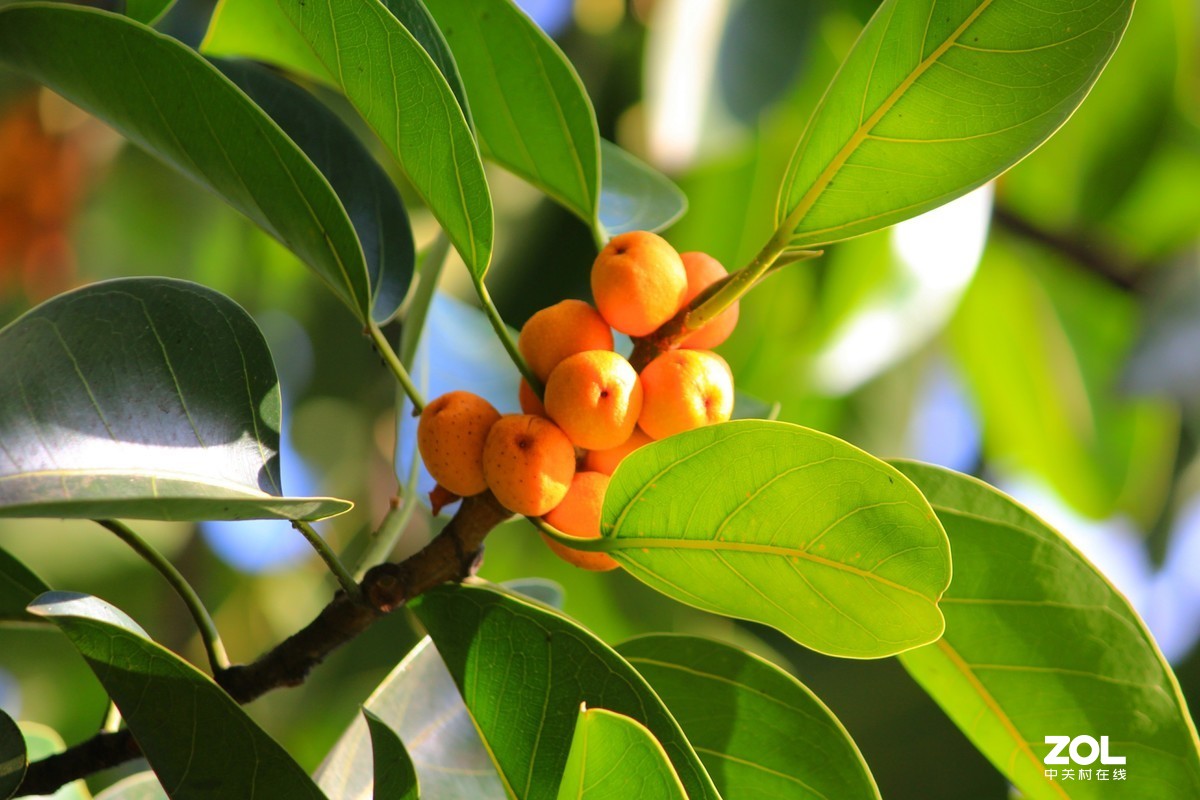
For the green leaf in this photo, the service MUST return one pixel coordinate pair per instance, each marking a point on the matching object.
(1038, 643)
(421, 703)
(531, 111)
(146, 398)
(935, 99)
(42, 742)
(414, 16)
(147, 12)
(633, 195)
(395, 777)
(523, 670)
(613, 756)
(786, 526)
(142, 786)
(200, 743)
(368, 194)
(13, 758)
(760, 732)
(258, 30)
(18, 586)
(172, 102)
(401, 93)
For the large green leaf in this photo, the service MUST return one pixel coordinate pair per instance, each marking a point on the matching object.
(368, 194)
(531, 111)
(199, 741)
(147, 11)
(523, 670)
(785, 526)
(13, 758)
(401, 93)
(633, 195)
(614, 757)
(395, 778)
(258, 30)
(169, 100)
(1038, 643)
(938, 97)
(759, 731)
(418, 700)
(146, 398)
(18, 586)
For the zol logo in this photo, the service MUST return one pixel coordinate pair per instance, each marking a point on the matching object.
(1083, 750)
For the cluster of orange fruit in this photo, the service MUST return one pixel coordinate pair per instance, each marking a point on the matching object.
(555, 459)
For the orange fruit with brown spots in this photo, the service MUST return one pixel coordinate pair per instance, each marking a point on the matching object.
(685, 389)
(606, 461)
(451, 435)
(595, 397)
(561, 330)
(638, 282)
(579, 515)
(703, 271)
(528, 463)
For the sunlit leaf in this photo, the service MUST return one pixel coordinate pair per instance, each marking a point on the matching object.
(785, 526)
(523, 671)
(18, 586)
(401, 93)
(615, 757)
(142, 786)
(368, 194)
(531, 111)
(395, 778)
(260, 30)
(199, 741)
(633, 195)
(420, 702)
(937, 98)
(169, 100)
(760, 732)
(1038, 643)
(147, 398)
(414, 16)
(13, 758)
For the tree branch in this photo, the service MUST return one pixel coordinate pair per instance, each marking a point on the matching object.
(453, 555)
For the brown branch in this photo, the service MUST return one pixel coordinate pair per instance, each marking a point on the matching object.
(452, 556)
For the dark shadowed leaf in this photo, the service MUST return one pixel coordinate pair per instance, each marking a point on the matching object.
(147, 11)
(420, 702)
(1038, 643)
(614, 757)
(937, 98)
(633, 195)
(401, 93)
(142, 786)
(18, 586)
(169, 100)
(13, 758)
(760, 732)
(148, 398)
(531, 111)
(200, 742)
(368, 194)
(785, 526)
(523, 671)
(395, 778)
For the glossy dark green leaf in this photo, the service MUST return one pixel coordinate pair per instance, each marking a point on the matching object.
(786, 526)
(395, 777)
(531, 111)
(13, 758)
(523, 671)
(18, 586)
(614, 757)
(147, 11)
(142, 786)
(200, 743)
(401, 93)
(760, 732)
(936, 98)
(1038, 643)
(633, 195)
(368, 194)
(419, 701)
(169, 100)
(148, 398)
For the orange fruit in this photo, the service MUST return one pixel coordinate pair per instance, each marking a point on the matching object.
(685, 389)
(638, 282)
(606, 461)
(703, 271)
(451, 435)
(529, 401)
(595, 397)
(528, 463)
(579, 515)
(560, 330)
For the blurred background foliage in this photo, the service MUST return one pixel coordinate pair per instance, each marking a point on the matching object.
(1042, 333)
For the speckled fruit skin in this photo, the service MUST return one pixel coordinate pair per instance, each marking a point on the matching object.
(451, 435)
(638, 282)
(529, 401)
(528, 463)
(561, 330)
(685, 389)
(606, 461)
(579, 515)
(703, 271)
(595, 397)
